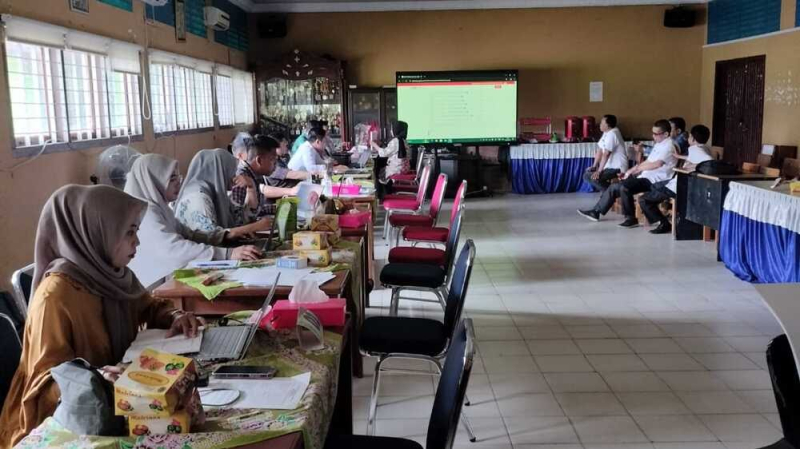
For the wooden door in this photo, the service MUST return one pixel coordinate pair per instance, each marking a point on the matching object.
(739, 108)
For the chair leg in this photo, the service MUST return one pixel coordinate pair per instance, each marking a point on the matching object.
(386, 224)
(468, 427)
(394, 303)
(399, 231)
(441, 294)
(373, 403)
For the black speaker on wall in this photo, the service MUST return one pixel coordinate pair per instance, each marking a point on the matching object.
(679, 18)
(271, 26)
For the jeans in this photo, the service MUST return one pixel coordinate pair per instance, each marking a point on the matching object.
(650, 201)
(624, 190)
(603, 181)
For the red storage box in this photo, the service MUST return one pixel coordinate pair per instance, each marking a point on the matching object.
(284, 313)
(354, 219)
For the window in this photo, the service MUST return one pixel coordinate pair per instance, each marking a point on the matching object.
(235, 97)
(225, 100)
(736, 19)
(60, 96)
(181, 92)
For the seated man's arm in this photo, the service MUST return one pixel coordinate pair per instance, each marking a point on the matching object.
(297, 175)
(646, 165)
(278, 192)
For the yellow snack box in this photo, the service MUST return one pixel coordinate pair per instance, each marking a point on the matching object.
(317, 258)
(794, 186)
(155, 384)
(309, 240)
(178, 422)
(325, 223)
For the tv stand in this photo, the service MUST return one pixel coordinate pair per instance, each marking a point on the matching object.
(458, 166)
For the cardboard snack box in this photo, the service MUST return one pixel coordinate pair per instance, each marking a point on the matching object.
(155, 384)
(317, 258)
(309, 240)
(325, 223)
(182, 421)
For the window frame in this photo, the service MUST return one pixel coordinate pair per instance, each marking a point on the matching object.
(189, 77)
(69, 144)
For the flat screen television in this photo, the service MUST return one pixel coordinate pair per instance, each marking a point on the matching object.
(461, 107)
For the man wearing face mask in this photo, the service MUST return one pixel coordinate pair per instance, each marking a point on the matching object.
(259, 162)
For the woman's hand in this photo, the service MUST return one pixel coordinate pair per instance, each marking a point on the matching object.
(185, 323)
(247, 252)
(111, 373)
(249, 231)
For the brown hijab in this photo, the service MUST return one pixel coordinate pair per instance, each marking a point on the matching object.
(78, 231)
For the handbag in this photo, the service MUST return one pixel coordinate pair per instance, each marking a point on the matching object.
(86, 406)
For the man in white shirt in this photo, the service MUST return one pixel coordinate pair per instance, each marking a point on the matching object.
(309, 154)
(639, 179)
(698, 152)
(611, 157)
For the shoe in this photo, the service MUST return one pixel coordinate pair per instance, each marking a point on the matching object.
(630, 223)
(590, 214)
(663, 228)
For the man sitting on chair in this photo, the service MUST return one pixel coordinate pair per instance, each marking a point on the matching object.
(639, 179)
(650, 201)
(611, 157)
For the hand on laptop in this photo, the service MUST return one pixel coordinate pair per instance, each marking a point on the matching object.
(186, 324)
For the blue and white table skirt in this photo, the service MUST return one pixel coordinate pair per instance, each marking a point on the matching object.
(551, 167)
(760, 233)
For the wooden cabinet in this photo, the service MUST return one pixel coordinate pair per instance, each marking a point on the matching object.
(370, 106)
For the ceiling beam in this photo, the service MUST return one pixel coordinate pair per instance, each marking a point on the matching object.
(310, 6)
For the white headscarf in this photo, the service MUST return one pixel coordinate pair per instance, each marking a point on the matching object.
(166, 244)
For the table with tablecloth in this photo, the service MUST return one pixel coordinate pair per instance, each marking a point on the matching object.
(551, 167)
(760, 232)
(227, 428)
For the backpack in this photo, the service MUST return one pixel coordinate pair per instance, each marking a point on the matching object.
(714, 167)
(86, 406)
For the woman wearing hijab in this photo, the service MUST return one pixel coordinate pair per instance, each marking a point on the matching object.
(86, 302)
(167, 244)
(396, 151)
(203, 203)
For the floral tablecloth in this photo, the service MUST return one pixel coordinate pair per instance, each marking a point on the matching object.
(228, 428)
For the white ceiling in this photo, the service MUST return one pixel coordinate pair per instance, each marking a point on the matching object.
(288, 6)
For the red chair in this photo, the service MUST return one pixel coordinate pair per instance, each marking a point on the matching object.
(399, 221)
(402, 189)
(411, 177)
(404, 203)
(435, 235)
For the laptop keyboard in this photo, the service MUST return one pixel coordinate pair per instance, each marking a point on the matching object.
(223, 342)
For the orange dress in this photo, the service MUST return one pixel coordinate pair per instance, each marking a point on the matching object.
(65, 321)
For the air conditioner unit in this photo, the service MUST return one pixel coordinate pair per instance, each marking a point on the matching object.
(217, 18)
(156, 2)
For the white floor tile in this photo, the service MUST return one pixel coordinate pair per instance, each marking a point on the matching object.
(671, 362)
(653, 403)
(674, 428)
(509, 385)
(563, 363)
(553, 347)
(608, 429)
(576, 382)
(762, 401)
(692, 381)
(616, 363)
(703, 345)
(635, 382)
(749, 428)
(590, 404)
(510, 365)
(539, 404)
(540, 430)
(726, 361)
(502, 348)
(544, 332)
(654, 346)
(714, 402)
(603, 346)
(745, 380)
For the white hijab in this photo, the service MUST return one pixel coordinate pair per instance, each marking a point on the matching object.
(165, 245)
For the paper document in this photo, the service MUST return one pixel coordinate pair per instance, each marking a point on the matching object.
(157, 339)
(214, 264)
(280, 393)
(265, 276)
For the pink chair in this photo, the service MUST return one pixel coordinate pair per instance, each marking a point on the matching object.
(406, 204)
(436, 235)
(399, 221)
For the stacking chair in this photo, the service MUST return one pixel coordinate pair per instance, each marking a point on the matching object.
(406, 204)
(22, 281)
(402, 190)
(432, 234)
(411, 178)
(447, 403)
(786, 386)
(10, 355)
(400, 221)
(430, 278)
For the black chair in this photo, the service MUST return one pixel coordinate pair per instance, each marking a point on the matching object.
(417, 338)
(422, 277)
(10, 355)
(447, 404)
(786, 386)
(22, 281)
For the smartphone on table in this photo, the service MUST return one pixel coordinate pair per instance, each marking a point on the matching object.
(244, 372)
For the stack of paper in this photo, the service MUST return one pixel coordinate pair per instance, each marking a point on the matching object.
(280, 393)
(157, 339)
(265, 276)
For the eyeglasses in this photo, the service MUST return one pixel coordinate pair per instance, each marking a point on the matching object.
(659, 134)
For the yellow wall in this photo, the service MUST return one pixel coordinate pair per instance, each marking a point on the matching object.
(782, 83)
(649, 71)
(23, 192)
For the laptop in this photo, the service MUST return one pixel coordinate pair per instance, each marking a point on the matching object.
(226, 343)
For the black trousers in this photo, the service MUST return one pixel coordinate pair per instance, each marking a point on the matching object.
(650, 201)
(624, 190)
(603, 181)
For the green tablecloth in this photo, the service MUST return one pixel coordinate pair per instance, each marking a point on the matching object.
(228, 428)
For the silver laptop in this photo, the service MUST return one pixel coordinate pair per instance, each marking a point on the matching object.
(225, 343)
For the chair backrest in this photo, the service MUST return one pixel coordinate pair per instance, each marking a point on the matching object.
(459, 283)
(764, 160)
(458, 201)
(422, 190)
(421, 159)
(10, 355)
(452, 244)
(786, 386)
(438, 197)
(452, 388)
(22, 282)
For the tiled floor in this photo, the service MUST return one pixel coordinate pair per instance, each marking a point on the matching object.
(593, 336)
